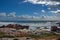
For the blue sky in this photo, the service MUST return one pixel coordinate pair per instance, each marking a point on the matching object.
(28, 8)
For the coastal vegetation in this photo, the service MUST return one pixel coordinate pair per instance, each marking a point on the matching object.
(45, 35)
(3, 35)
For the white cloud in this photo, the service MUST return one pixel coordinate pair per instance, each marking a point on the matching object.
(43, 11)
(12, 14)
(46, 2)
(25, 16)
(2, 14)
(49, 8)
(53, 18)
(42, 17)
(35, 13)
(29, 17)
(56, 12)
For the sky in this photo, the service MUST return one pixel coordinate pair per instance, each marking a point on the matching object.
(29, 9)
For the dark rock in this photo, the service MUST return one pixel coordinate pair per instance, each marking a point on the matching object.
(54, 28)
(15, 26)
(58, 39)
(15, 39)
(2, 26)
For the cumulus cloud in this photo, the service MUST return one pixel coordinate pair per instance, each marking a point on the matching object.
(12, 14)
(25, 16)
(2, 14)
(56, 12)
(30, 17)
(42, 17)
(45, 2)
(43, 11)
(53, 17)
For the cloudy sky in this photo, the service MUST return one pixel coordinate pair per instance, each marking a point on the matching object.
(29, 9)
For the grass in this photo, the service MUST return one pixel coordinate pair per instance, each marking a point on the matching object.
(3, 35)
(44, 35)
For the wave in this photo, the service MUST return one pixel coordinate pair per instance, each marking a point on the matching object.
(31, 25)
(6, 23)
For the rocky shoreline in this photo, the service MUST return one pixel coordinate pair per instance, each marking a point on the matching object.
(21, 32)
(15, 26)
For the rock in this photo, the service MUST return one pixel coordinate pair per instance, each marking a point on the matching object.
(15, 26)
